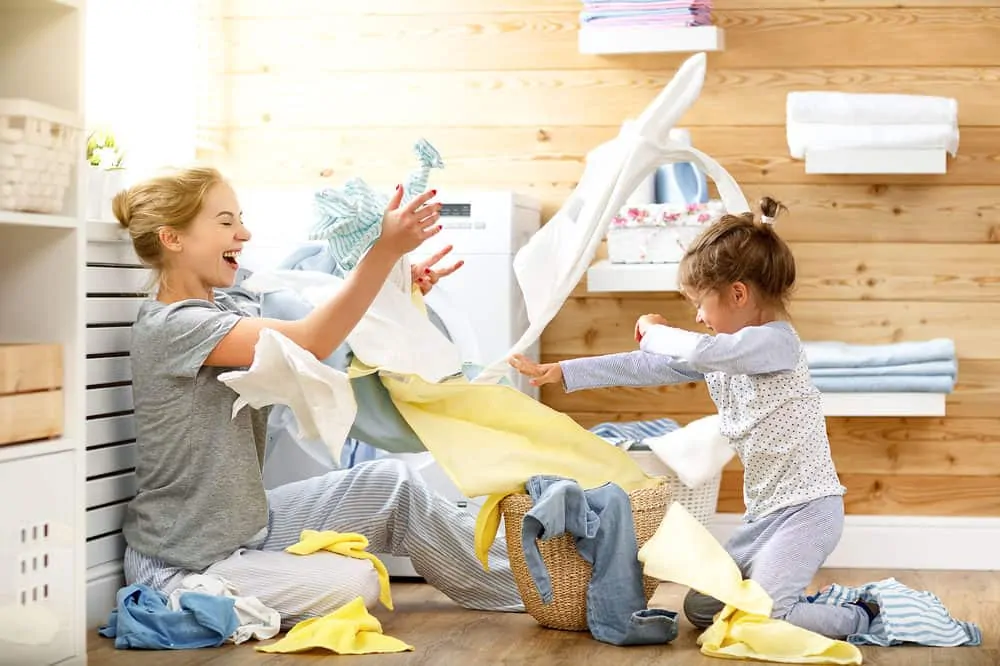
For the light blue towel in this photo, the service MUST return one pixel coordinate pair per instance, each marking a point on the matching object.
(886, 384)
(905, 616)
(350, 219)
(924, 369)
(843, 355)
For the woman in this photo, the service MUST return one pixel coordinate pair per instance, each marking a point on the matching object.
(201, 505)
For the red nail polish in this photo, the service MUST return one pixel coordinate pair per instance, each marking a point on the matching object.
(399, 187)
(439, 227)
(427, 270)
(433, 192)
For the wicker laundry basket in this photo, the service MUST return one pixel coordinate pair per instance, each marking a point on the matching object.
(569, 573)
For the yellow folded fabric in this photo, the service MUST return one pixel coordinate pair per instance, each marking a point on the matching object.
(683, 551)
(350, 629)
(348, 544)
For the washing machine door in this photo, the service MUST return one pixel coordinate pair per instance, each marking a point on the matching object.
(445, 308)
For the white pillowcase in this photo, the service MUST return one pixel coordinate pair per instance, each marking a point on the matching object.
(696, 452)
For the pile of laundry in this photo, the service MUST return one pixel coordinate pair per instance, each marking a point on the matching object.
(929, 366)
(646, 13)
(823, 120)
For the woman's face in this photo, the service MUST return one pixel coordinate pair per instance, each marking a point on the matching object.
(209, 248)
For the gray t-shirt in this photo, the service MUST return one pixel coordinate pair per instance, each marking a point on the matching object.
(200, 492)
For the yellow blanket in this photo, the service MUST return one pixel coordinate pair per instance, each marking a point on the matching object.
(350, 629)
(490, 439)
(683, 551)
(348, 544)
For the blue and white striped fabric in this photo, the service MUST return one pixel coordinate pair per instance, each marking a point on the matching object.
(905, 616)
(350, 219)
(632, 434)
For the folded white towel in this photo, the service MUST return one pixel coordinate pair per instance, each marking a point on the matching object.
(842, 108)
(803, 137)
(696, 452)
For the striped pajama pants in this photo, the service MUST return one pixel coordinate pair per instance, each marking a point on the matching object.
(383, 500)
(782, 551)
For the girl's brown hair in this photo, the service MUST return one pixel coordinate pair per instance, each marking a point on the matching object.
(741, 248)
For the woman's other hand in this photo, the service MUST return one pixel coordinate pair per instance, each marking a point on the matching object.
(425, 277)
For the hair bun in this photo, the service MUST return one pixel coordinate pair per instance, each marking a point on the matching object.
(121, 208)
(770, 209)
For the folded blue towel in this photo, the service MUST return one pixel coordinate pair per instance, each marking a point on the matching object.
(925, 369)
(843, 355)
(886, 384)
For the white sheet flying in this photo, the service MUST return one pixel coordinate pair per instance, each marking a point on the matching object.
(555, 259)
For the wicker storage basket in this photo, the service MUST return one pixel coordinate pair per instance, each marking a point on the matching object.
(569, 572)
(39, 152)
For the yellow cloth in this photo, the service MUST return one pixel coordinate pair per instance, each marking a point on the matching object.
(683, 551)
(348, 544)
(350, 629)
(490, 439)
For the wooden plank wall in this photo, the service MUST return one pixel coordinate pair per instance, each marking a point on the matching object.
(318, 90)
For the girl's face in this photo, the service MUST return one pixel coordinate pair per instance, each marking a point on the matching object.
(727, 310)
(208, 250)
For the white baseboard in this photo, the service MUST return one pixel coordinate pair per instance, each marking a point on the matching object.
(103, 583)
(905, 542)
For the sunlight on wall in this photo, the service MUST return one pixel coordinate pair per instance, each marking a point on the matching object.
(142, 78)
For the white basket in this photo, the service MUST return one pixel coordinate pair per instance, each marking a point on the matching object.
(39, 152)
(658, 233)
(700, 502)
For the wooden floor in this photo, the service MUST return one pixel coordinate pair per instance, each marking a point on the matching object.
(446, 634)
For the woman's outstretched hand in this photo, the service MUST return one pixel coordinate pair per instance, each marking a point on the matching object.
(539, 373)
(425, 277)
(404, 229)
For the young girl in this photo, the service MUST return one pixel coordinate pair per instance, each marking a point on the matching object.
(201, 505)
(739, 274)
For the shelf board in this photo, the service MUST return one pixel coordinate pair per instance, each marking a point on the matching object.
(877, 161)
(650, 39)
(884, 404)
(605, 276)
(9, 217)
(33, 449)
(39, 4)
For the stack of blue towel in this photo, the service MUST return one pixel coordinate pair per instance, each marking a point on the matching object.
(903, 367)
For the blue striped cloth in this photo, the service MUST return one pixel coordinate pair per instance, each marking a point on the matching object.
(350, 219)
(905, 616)
(633, 433)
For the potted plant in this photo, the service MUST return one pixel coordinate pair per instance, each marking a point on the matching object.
(105, 175)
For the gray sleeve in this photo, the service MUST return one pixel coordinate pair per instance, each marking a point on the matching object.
(637, 368)
(186, 332)
(754, 350)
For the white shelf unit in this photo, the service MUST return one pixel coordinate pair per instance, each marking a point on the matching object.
(877, 161)
(652, 39)
(605, 276)
(42, 526)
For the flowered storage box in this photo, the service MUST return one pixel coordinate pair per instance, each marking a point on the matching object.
(658, 233)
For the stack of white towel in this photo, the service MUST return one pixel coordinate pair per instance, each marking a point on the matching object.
(838, 121)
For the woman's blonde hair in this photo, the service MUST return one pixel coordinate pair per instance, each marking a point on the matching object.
(170, 200)
(742, 248)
